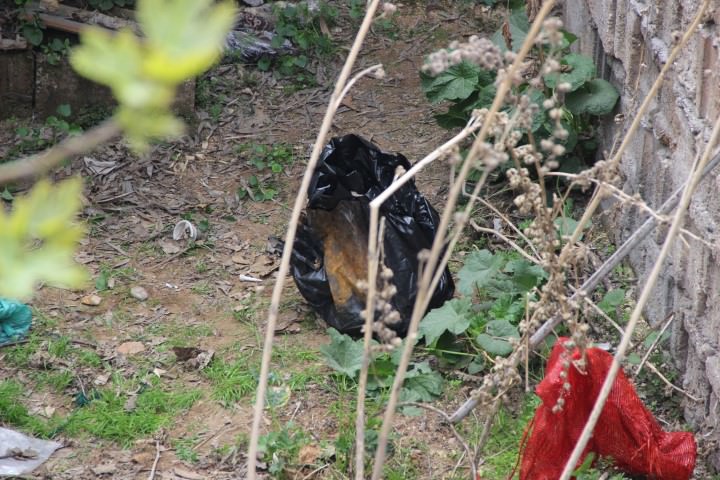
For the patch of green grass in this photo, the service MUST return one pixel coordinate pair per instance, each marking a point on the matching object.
(184, 449)
(400, 466)
(58, 381)
(202, 288)
(14, 413)
(232, 381)
(19, 355)
(501, 450)
(107, 418)
(89, 359)
(280, 448)
(60, 347)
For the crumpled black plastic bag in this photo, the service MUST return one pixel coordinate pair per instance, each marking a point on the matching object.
(330, 252)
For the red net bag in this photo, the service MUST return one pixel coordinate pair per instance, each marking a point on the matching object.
(626, 431)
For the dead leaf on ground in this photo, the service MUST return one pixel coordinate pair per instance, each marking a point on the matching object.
(168, 246)
(264, 265)
(309, 454)
(130, 348)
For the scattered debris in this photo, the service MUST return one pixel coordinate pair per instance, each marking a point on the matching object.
(104, 469)
(193, 358)
(184, 229)
(182, 473)
(248, 278)
(100, 167)
(20, 454)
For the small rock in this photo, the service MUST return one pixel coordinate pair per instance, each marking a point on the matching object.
(139, 293)
(130, 348)
(92, 300)
(111, 283)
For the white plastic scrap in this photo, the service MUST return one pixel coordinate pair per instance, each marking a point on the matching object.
(184, 229)
(20, 454)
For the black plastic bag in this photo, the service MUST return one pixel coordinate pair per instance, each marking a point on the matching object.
(330, 252)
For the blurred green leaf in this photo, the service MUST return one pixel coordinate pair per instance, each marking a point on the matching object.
(453, 316)
(38, 237)
(479, 269)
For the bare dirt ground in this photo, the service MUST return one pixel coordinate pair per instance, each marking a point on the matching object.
(195, 297)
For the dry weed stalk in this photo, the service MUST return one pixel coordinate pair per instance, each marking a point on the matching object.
(335, 99)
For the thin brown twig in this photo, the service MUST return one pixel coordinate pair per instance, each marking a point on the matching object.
(155, 463)
(70, 147)
(654, 343)
(507, 240)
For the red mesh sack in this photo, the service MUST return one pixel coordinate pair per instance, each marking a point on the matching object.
(626, 431)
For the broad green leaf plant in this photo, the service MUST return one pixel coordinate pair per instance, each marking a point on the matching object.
(182, 38)
(468, 87)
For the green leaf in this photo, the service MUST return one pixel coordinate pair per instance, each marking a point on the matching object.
(582, 69)
(477, 365)
(422, 384)
(38, 237)
(525, 275)
(453, 316)
(597, 97)
(650, 339)
(508, 307)
(343, 354)
(566, 226)
(634, 359)
(479, 269)
(7, 195)
(611, 301)
(519, 26)
(32, 34)
(183, 36)
(456, 83)
(495, 340)
(64, 110)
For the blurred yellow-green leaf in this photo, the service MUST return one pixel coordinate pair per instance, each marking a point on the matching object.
(38, 238)
(182, 38)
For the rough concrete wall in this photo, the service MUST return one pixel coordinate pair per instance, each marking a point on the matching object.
(630, 41)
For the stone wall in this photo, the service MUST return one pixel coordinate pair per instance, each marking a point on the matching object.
(630, 41)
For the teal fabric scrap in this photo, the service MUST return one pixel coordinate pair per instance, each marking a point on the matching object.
(15, 320)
